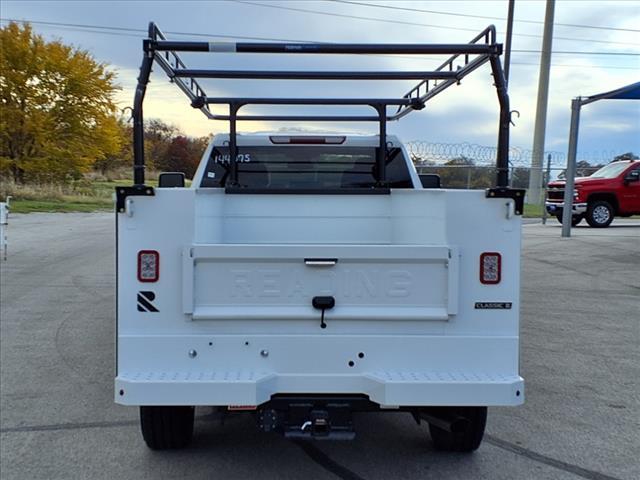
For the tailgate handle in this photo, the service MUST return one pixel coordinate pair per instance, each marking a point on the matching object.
(322, 304)
(320, 262)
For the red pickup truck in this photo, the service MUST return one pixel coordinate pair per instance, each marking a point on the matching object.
(612, 191)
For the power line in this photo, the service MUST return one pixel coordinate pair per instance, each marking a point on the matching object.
(485, 17)
(356, 17)
(401, 22)
(124, 31)
(89, 30)
(578, 52)
(608, 67)
(144, 31)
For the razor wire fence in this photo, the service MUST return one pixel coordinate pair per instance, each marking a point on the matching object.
(424, 152)
(472, 166)
(467, 165)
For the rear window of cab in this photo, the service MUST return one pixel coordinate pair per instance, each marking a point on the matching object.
(327, 167)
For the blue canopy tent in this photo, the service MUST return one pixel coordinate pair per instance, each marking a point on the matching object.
(629, 92)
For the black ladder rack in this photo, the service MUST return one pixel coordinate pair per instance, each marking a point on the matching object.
(464, 59)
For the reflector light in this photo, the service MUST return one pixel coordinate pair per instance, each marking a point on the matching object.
(307, 140)
(490, 268)
(148, 266)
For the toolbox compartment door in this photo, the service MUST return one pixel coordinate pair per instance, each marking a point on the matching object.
(277, 282)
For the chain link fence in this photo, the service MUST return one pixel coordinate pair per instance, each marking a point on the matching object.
(471, 166)
(482, 176)
(440, 153)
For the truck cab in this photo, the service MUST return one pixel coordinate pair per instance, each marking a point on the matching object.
(612, 191)
(302, 161)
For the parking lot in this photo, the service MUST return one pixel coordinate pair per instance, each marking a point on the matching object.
(580, 358)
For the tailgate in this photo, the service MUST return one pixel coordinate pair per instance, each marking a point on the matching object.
(275, 282)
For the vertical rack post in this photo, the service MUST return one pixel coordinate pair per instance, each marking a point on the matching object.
(502, 162)
(138, 123)
(382, 149)
(233, 143)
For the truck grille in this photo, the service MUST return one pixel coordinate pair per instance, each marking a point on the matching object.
(555, 194)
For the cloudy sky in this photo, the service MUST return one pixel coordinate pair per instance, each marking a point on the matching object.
(606, 32)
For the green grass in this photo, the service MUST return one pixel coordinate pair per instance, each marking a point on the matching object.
(102, 187)
(532, 211)
(84, 196)
(89, 196)
(89, 205)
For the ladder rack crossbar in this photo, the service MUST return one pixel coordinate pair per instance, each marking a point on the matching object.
(330, 48)
(312, 75)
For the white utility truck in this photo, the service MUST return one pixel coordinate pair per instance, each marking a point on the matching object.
(306, 277)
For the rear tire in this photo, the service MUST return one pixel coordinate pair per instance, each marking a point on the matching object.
(167, 427)
(466, 441)
(600, 214)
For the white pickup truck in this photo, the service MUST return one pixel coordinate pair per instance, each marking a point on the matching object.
(307, 277)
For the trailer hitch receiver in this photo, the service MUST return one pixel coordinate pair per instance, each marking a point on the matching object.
(319, 424)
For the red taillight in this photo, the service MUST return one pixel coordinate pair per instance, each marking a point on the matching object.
(306, 140)
(148, 266)
(241, 408)
(490, 268)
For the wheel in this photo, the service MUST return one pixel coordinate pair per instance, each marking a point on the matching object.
(466, 441)
(575, 219)
(166, 427)
(600, 214)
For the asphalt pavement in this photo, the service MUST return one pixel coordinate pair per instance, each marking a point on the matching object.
(580, 359)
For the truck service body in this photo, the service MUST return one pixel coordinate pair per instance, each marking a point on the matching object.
(305, 277)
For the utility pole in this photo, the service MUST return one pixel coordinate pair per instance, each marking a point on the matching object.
(507, 48)
(535, 196)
